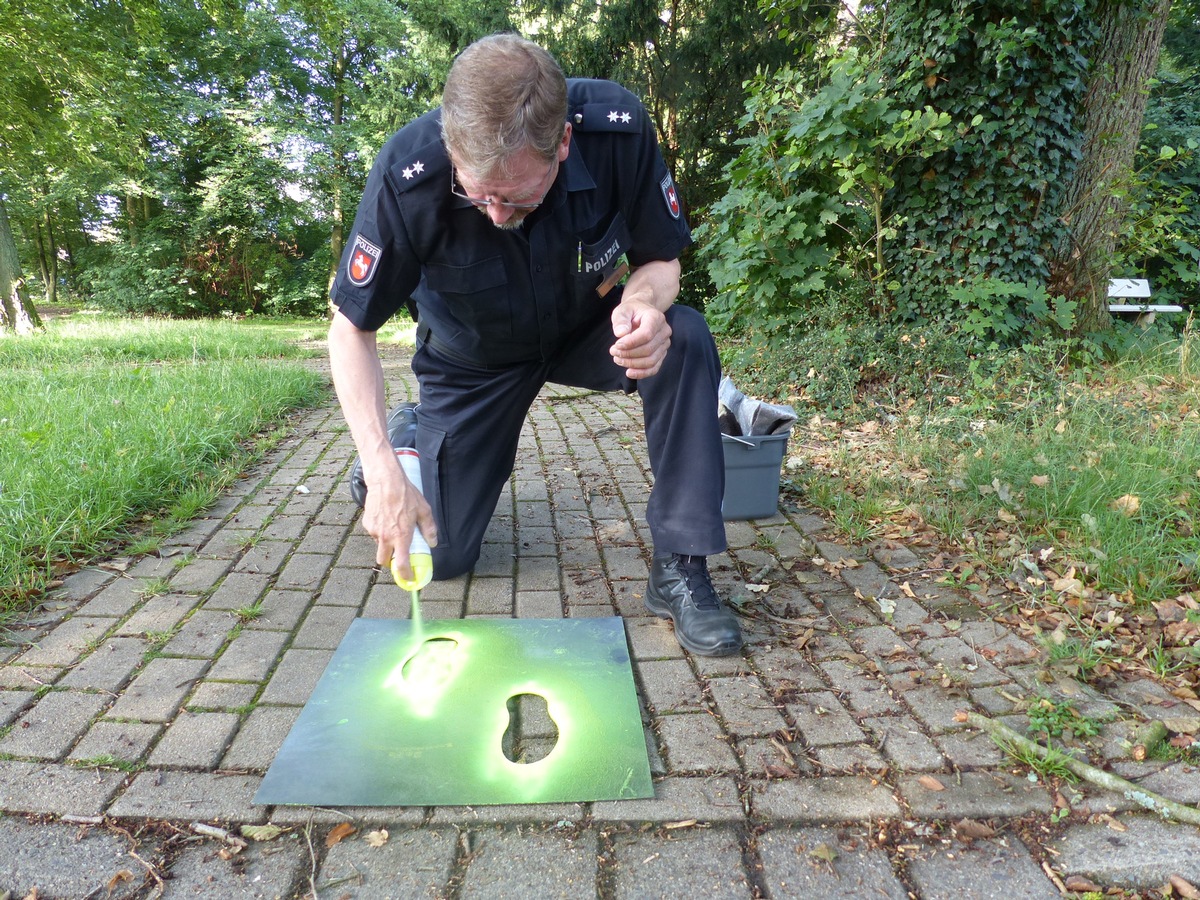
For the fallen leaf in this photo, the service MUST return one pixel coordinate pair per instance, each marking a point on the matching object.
(971, 830)
(1040, 480)
(1061, 426)
(758, 588)
(123, 875)
(686, 823)
(1077, 884)
(823, 852)
(262, 832)
(1127, 505)
(339, 833)
(930, 783)
(376, 838)
(1183, 888)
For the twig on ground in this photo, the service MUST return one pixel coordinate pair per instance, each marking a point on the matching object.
(1168, 809)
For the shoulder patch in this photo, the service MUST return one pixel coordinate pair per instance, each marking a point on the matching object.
(670, 195)
(607, 117)
(364, 260)
(418, 167)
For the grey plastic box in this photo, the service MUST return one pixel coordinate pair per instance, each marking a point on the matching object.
(752, 466)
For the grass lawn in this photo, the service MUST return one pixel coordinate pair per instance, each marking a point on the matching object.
(108, 423)
(1067, 499)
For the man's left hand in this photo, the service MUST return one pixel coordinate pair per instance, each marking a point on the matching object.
(643, 337)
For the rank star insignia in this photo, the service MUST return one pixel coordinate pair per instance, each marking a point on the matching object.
(613, 116)
(625, 117)
(415, 169)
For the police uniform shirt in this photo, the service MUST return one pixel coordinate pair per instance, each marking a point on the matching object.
(496, 297)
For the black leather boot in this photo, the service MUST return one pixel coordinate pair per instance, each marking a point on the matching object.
(402, 432)
(681, 590)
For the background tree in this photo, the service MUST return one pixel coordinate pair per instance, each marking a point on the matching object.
(1123, 60)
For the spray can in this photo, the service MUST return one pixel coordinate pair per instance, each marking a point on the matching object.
(419, 557)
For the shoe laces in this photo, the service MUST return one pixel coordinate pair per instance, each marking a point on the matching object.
(700, 586)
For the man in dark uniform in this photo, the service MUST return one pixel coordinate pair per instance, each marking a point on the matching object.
(505, 218)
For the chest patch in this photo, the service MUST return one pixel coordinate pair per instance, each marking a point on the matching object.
(670, 195)
(364, 260)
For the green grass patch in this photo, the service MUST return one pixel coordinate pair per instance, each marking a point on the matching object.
(106, 425)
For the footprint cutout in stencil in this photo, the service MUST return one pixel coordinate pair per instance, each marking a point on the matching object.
(532, 733)
(433, 663)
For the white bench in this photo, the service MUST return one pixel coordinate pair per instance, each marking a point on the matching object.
(1124, 294)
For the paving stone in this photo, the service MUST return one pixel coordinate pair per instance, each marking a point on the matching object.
(222, 695)
(975, 795)
(126, 741)
(346, 587)
(823, 720)
(848, 798)
(249, 657)
(539, 605)
(961, 661)
(59, 860)
(971, 749)
(159, 615)
(745, 706)
(932, 704)
(196, 796)
(669, 685)
(538, 814)
(324, 627)
(260, 872)
(280, 611)
(200, 574)
(526, 863)
(67, 642)
(304, 571)
(265, 558)
(783, 669)
(865, 695)
(238, 591)
(904, 744)
(987, 870)
(694, 742)
(202, 635)
(296, 676)
(850, 759)
(158, 691)
(260, 737)
(411, 864)
(766, 757)
(195, 740)
(11, 703)
(713, 798)
(1143, 856)
(790, 868)
(652, 638)
(109, 666)
(82, 584)
(699, 863)
(52, 789)
(54, 723)
(117, 600)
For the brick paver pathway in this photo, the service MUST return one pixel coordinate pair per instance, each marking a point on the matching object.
(140, 711)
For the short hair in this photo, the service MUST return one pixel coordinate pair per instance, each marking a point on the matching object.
(504, 95)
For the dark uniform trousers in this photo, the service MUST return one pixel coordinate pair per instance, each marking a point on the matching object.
(471, 416)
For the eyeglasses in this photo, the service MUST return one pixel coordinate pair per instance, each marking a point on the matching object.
(485, 203)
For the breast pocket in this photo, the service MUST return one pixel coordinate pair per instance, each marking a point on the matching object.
(599, 253)
(476, 294)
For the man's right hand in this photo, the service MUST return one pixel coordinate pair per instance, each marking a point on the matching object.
(393, 509)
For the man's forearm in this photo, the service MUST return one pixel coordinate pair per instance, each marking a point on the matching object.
(358, 380)
(655, 283)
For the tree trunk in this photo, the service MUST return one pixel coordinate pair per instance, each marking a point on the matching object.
(337, 235)
(16, 313)
(1123, 62)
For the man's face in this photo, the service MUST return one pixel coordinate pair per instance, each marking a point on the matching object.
(507, 200)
